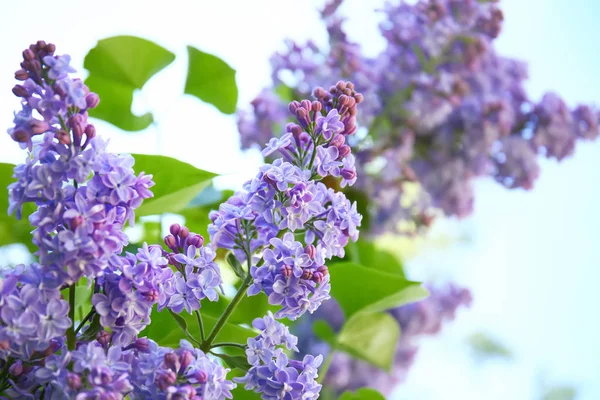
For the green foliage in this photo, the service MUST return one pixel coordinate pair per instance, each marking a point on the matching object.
(165, 332)
(118, 66)
(358, 288)
(485, 346)
(362, 394)
(239, 362)
(366, 253)
(177, 183)
(560, 393)
(11, 229)
(211, 80)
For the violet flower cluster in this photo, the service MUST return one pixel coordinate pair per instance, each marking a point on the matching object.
(286, 223)
(416, 320)
(272, 373)
(84, 196)
(441, 105)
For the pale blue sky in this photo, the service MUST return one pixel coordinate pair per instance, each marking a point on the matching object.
(533, 261)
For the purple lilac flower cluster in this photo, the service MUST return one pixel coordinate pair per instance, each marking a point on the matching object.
(416, 320)
(286, 223)
(272, 373)
(85, 196)
(142, 370)
(442, 108)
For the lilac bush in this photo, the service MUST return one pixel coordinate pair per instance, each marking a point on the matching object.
(285, 224)
(441, 105)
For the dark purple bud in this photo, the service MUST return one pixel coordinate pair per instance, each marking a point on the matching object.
(184, 233)
(39, 127)
(171, 242)
(21, 75)
(286, 271)
(348, 174)
(174, 229)
(172, 361)
(77, 125)
(195, 240)
(40, 44)
(323, 269)
(317, 277)
(319, 92)
(103, 337)
(307, 274)
(344, 151)
(311, 250)
(338, 140)
(359, 98)
(296, 130)
(142, 344)
(151, 296)
(4, 345)
(20, 91)
(50, 48)
(20, 136)
(16, 368)
(201, 376)
(306, 105)
(164, 379)
(341, 86)
(90, 131)
(92, 100)
(35, 66)
(63, 137)
(73, 381)
(186, 357)
(28, 55)
(317, 106)
(75, 222)
(293, 106)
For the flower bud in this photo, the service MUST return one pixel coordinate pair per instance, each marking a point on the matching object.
(172, 361)
(92, 100)
(195, 240)
(20, 91)
(21, 75)
(151, 296)
(307, 274)
(63, 137)
(348, 174)
(4, 345)
(142, 344)
(311, 250)
(184, 232)
(38, 127)
(16, 368)
(90, 131)
(344, 151)
(164, 379)
(50, 49)
(103, 337)
(73, 381)
(319, 92)
(201, 376)
(174, 229)
(186, 359)
(171, 242)
(338, 140)
(28, 55)
(286, 271)
(316, 106)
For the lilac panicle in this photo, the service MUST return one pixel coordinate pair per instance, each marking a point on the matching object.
(441, 105)
(286, 223)
(272, 373)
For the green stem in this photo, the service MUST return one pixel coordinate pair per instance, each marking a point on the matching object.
(225, 316)
(200, 324)
(85, 319)
(325, 367)
(228, 344)
(71, 337)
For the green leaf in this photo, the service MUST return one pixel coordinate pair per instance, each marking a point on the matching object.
(164, 331)
(236, 266)
(211, 80)
(93, 329)
(362, 394)
(118, 66)
(560, 393)
(366, 253)
(358, 288)
(285, 93)
(181, 322)
(249, 308)
(324, 331)
(177, 183)
(485, 346)
(13, 230)
(239, 362)
(371, 337)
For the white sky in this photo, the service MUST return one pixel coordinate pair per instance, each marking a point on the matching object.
(533, 258)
